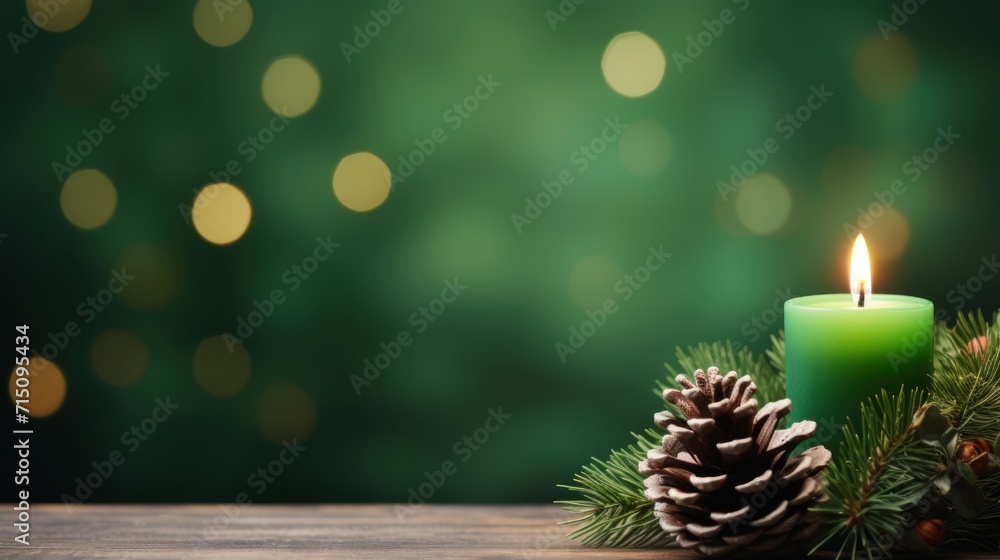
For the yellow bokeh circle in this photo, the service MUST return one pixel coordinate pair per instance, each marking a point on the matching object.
(763, 204)
(88, 199)
(45, 387)
(633, 64)
(221, 213)
(57, 15)
(362, 182)
(290, 86)
(222, 23)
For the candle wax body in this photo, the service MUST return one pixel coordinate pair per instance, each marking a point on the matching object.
(838, 355)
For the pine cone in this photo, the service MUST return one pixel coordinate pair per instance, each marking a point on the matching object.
(723, 480)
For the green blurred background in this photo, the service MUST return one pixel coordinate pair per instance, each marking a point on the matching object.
(736, 254)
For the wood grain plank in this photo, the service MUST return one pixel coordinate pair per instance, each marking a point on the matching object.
(272, 532)
(305, 531)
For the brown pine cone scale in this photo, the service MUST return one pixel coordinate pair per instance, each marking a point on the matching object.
(723, 478)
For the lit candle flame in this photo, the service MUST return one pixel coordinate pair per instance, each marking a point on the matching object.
(861, 273)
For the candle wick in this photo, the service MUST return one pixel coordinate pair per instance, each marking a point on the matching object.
(861, 293)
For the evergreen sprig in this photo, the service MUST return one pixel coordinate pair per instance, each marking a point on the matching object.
(983, 532)
(770, 381)
(880, 471)
(614, 511)
(885, 464)
(966, 385)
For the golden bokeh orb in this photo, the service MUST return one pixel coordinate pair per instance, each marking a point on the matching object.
(633, 64)
(222, 23)
(88, 199)
(362, 182)
(45, 385)
(221, 213)
(57, 16)
(290, 86)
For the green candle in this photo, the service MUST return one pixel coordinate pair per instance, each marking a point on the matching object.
(841, 349)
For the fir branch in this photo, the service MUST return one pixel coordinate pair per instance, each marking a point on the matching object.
(615, 511)
(770, 383)
(967, 384)
(878, 473)
(983, 532)
(776, 354)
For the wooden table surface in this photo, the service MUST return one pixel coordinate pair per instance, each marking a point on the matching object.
(303, 531)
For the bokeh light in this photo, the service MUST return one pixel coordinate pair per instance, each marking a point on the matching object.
(154, 277)
(221, 213)
(633, 64)
(592, 281)
(83, 75)
(286, 412)
(888, 233)
(362, 182)
(119, 357)
(645, 148)
(290, 86)
(222, 24)
(221, 365)
(885, 67)
(57, 16)
(46, 385)
(88, 199)
(763, 204)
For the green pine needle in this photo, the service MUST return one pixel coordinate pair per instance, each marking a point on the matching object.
(769, 380)
(879, 472)
(613, 510)
(966, 385)
(983, 532)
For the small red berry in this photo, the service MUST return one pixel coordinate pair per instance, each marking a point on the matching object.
(931, 531)
(976, 453)
(977, 345)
